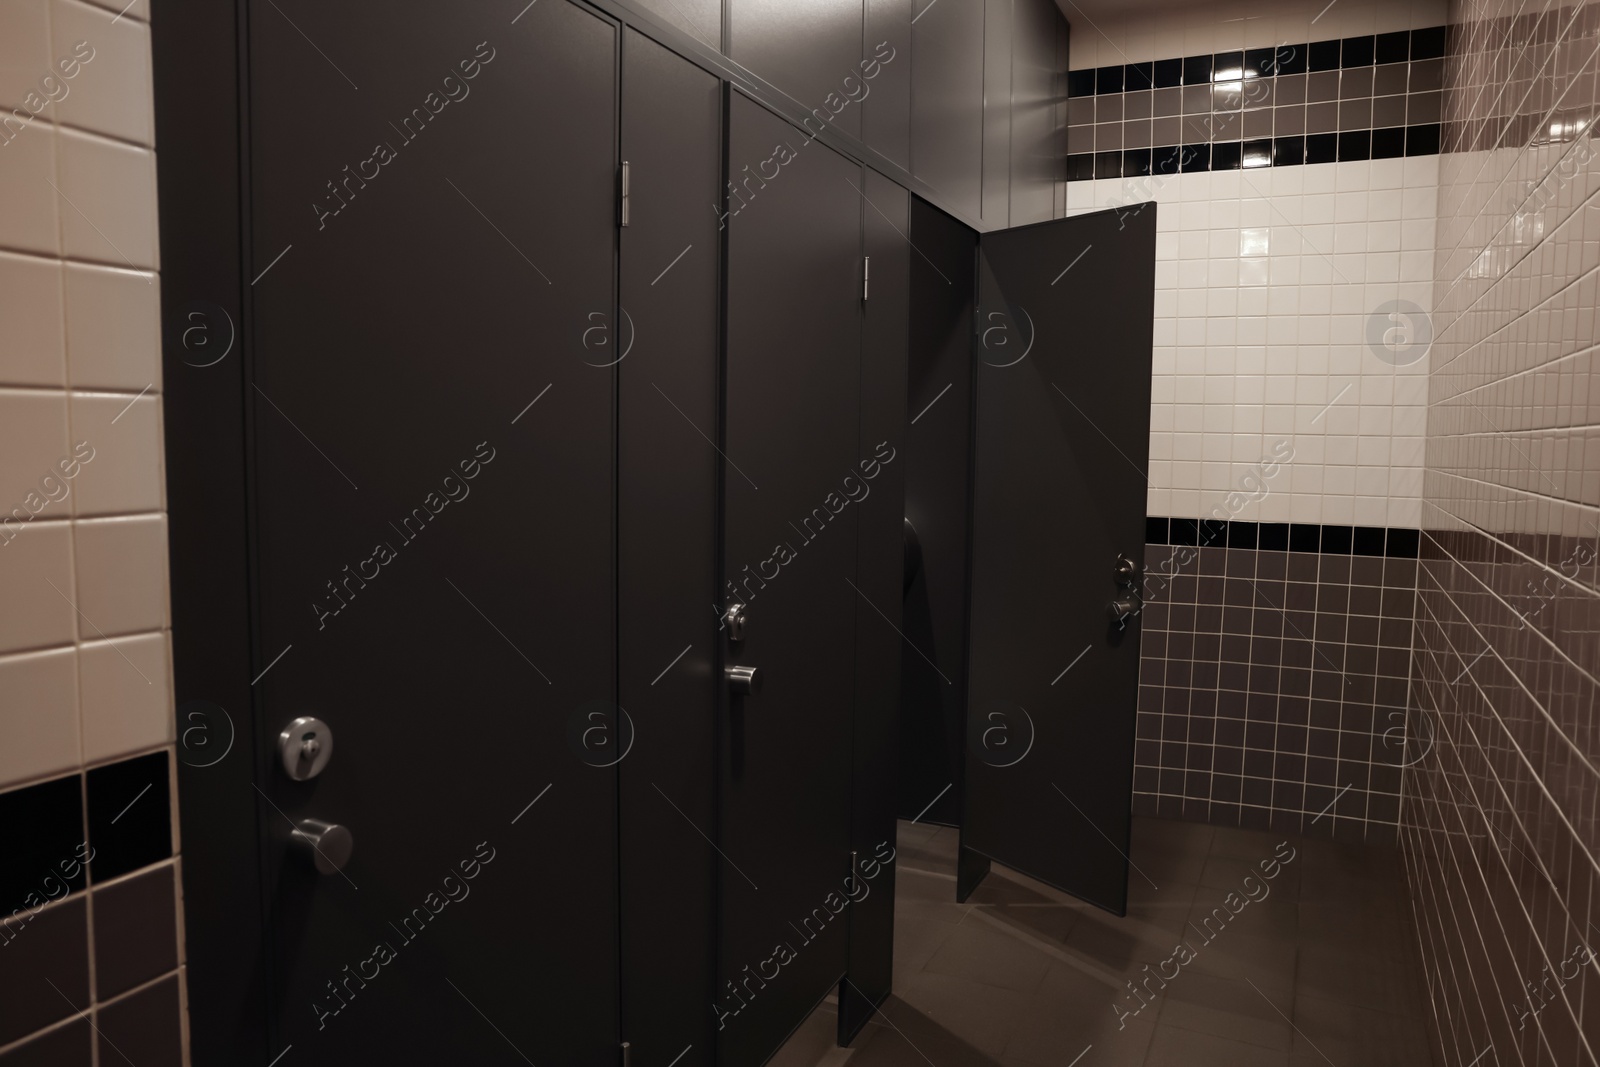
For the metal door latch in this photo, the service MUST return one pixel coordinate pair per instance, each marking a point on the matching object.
(305, 746)
(734, 619)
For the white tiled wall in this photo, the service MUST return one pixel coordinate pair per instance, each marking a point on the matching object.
(84, 662)
(1266, 284)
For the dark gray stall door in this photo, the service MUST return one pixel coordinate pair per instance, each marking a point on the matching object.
(667, 554)
(1063, 421)
(791, 410)
(436, 555)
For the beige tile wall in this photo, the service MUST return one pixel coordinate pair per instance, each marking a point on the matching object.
(85, 666)
(82, 558)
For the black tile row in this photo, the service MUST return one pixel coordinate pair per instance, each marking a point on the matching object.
(1389, 143)
(46, 853)
(145, 1029)
(1396, 542)
(1397, 47)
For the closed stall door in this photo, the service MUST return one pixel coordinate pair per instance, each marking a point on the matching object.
(791, 426)
(434, 238)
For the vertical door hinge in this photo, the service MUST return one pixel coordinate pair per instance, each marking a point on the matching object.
(855, 867)
(866, 274)
(623, 197)
(627, 1048)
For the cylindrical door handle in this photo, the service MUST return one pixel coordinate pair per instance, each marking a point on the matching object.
(744, 681)
(1122, 608)
(327, 845)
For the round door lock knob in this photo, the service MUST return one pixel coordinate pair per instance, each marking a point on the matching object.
(327, 845)
(1123, 608)
(305, 746)
(744, 681)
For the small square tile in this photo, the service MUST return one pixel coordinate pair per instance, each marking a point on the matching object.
(130, 822)
(124, 473)
(145, 1028)
(135, 931)
(30, 306)
(113, 328)
(63, 1046)
(108, 201)
(39, 715)
(122, 575)
(29, 222)
(33, 438)
(41, 834)
(36, 585)
(111, 94)
(126, 696)
(46, 976)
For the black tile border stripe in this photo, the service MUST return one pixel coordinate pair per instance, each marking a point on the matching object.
(1395, 542)
(1383, 48)
(1390, 142)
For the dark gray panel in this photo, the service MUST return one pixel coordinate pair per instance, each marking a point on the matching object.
(1037, 147)
(401, 344)
(886, 211)
(938, 504)
(195, 66)
(886, 112)
(701, 19)
(806, 50)
(792, 429)
(998, 34)
(1062, 430)
(947, 102)
(666, 550)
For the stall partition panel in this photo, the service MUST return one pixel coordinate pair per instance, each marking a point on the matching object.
(885, 210)
(793, 477)
(666, 352)
(938, 514)
(1063, 419)
(434, 451)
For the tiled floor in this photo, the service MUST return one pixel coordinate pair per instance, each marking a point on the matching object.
(1319, 968)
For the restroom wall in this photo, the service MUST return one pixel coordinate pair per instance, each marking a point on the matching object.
(90, 946)
(1498, 821)
(1286, 448)
(967, 96)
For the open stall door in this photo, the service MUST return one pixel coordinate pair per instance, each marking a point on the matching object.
(1063, 340)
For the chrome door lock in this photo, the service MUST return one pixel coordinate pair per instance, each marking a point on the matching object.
(1124, 571)
(305, 747)
(743, 681)
(735, 619)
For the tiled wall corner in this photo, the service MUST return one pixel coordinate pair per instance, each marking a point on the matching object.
(90, 948)
(1499, 819)
(1274, 671)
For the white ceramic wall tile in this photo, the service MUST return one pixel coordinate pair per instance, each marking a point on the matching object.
(125, 474)
(1268, 285)
(39, 715)
(33, 442)
(111, 93)
(30, 309)
(24, 51)
(27, 188)
(108, 189)
(122, 575)
(36, 587)
(126, 702)
(133, 9)
(113, 328)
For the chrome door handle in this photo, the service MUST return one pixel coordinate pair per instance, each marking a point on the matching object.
(327, 845)
(744, 681)
(1123, 608)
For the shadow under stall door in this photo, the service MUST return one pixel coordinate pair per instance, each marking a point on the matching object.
(791, 424)
(435, 461)
(1063, 420)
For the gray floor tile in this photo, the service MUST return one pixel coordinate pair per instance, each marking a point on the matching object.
(1230, 1008)
(1173, 1047)
(978, 952)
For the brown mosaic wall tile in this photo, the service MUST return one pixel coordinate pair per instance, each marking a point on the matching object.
(1499, 822)
(1274, 674)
